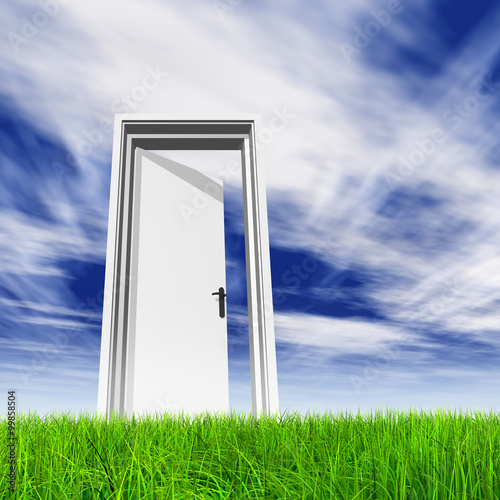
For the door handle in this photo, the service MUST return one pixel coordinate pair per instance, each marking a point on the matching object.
(221, 294)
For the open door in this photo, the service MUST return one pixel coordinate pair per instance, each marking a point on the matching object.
(141, 331)
(177, 354)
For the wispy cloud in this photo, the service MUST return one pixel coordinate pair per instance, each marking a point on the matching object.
(424, 249)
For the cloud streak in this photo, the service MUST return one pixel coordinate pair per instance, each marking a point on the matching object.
(411, 263)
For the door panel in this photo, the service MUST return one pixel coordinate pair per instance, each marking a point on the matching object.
(178, 342)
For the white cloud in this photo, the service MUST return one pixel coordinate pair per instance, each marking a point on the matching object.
(57, 323)
(46, 308)
(324, 171)
(340, 336)
(32, 246)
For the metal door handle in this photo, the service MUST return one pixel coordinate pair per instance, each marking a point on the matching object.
(221, 294)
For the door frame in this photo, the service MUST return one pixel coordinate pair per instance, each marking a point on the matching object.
(186, 132)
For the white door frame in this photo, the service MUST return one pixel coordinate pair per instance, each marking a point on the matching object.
(186, 132)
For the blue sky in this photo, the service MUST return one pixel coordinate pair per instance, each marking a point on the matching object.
(382, 188)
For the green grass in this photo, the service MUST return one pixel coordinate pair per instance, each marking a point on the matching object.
(230, 456)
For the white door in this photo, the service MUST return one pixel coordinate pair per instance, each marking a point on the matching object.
(178, 340)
